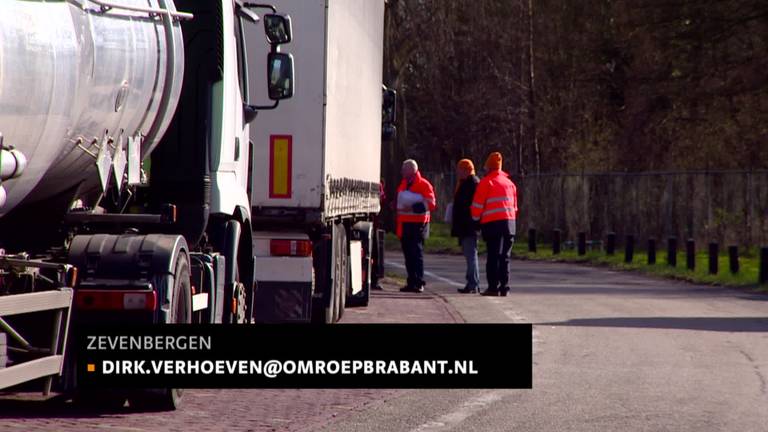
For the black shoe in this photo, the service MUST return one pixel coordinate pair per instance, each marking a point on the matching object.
(416, 289)
(490, 293)
(503, 292)
(468, 290)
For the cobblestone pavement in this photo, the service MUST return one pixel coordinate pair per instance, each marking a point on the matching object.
(236, 410)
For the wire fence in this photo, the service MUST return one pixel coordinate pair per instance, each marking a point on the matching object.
(730, 207)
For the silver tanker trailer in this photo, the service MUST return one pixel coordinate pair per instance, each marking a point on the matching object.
(124, 182)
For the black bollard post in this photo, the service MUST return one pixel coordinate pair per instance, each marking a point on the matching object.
(672, 251)
(629, 251)
(555, 242)
(713, 255)
(610, 245)
(532, 240)
(733, 258)
(651, 251)
(690, 254)
(582, 243)
(763, 265)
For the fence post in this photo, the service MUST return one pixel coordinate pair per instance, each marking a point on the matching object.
(629, 252)
(733, 258)
(582, 243)
(763, 265)
(672, 251)
(713, 255)
(556, 242)
(651, 251)
(532, 240)
(610, 245)
(690, 254)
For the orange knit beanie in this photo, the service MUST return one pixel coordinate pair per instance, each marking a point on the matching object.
(494, 161)
(466, 164)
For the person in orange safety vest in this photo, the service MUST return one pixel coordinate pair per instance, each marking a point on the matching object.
(415, 201)
(495, 206)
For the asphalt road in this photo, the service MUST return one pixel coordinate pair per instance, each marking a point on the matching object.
(612, 352)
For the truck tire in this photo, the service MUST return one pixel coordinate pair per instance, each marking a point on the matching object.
(341, 273)
(107, 400)
(168, 399)
(235, 290)
(322, 306)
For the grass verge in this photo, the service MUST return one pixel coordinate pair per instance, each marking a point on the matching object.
(440, 241)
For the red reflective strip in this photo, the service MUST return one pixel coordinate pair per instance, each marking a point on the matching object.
(115, 300)
(283, 247)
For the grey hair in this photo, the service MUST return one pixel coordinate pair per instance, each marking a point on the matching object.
(412, 163)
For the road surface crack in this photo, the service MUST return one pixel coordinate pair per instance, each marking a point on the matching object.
(758, 372)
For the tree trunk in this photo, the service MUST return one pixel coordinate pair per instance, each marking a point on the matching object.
(531, 89)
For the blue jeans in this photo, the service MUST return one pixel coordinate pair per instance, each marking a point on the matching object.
(469, 247)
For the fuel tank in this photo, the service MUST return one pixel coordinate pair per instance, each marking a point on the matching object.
(79, 75)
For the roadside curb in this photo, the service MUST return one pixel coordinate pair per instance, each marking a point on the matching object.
(452, 311)
(752, 289)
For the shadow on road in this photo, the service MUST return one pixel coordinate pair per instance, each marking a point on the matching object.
(723, 324)
(56, 407)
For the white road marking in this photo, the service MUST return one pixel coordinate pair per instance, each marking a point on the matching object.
(464, 411)
(430, 274)
(513, 315)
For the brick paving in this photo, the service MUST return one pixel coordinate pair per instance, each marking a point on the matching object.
(237, 410)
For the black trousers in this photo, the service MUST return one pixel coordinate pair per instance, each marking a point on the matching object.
(499, 237)
(412, 243)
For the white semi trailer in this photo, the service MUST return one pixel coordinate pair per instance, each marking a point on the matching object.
(124, 129)
(316, 164)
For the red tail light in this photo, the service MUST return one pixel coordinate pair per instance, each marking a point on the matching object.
(290, 248)
(115, 300)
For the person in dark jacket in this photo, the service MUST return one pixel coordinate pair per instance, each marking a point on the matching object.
(462, 225)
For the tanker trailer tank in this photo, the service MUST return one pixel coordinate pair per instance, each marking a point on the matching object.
(94, 76)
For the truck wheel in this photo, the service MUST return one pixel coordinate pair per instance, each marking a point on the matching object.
(181, 313)
(322, 307)
(335, 274)
(107, 400)
(329, 312)
(156, 400)
(240, 296)
(340, 270)
(345, 271)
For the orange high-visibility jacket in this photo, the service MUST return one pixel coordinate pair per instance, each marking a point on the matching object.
(495, 198)
(424, 188)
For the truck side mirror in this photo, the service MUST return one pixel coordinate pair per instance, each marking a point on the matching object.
(388, 114)
(389, 106)
(278, 28)
(388, 132)
(280, 75)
